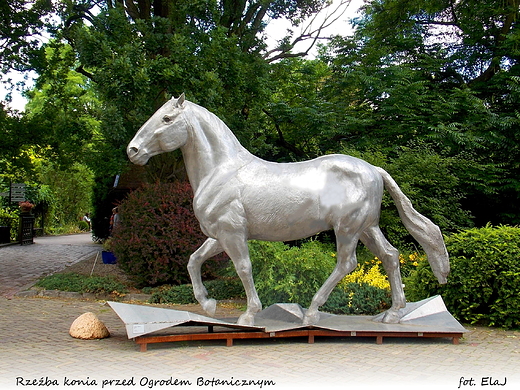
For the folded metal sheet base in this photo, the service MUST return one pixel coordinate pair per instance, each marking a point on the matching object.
(427, 318)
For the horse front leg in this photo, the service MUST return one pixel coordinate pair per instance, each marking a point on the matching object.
(376, 242)
(237, 249)
(209, 248)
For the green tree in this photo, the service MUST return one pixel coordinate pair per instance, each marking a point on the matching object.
(21, 27)
(64, 108)
(141, 53)
(298, 117)
(442, 72)
(137, 53)
(69, 194)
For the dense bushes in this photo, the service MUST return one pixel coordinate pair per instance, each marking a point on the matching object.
(290, 274)
(220, 289)
(358, 298)
(428, 179)
(484, 283)
(157, 234)
(295, 274)
(10, 219)
(83, 226)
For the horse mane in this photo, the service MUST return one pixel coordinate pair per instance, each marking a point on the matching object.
(216, 132)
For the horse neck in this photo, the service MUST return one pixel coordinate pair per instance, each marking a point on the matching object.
(211, 145)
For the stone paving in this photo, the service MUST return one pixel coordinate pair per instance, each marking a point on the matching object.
(21, 266)
(37, 352)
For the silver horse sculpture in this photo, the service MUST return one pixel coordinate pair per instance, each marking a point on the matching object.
(240, 197)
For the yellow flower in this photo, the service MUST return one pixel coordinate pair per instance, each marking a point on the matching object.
(371, 276)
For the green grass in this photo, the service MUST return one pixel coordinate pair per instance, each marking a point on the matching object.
(81, 283)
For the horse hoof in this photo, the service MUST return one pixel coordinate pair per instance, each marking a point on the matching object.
(246, 319)
(391, 317)
(210, 307)
(311, 319)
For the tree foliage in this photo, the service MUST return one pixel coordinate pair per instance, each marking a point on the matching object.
(297, 116)
(21, 27)
(68, 194)
(110, 64)
(426, 86)
(441, 72)
(138, 53)
(63, 110)
(483, 285)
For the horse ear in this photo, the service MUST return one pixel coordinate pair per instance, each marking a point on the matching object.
(180, 100)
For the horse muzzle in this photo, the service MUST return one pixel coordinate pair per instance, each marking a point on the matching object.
(136, 156)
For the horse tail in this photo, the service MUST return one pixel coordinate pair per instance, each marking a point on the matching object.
(427, 234)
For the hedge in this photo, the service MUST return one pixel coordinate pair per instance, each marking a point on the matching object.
(484, 282)
(157, 234)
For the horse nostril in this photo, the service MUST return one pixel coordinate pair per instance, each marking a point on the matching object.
(133, 149)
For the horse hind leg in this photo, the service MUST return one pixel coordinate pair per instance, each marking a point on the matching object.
(376, 242)
(346, 263)
(209, 248)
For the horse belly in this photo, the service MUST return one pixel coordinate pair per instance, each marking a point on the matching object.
(278, 214)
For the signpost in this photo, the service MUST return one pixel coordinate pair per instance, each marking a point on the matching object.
(17, 192)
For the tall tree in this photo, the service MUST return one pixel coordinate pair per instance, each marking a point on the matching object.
(137, 53)
(445, 72)
(22, 24)
(479, 38)
(298, 118)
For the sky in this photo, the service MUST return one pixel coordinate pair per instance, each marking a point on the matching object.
(276, 30)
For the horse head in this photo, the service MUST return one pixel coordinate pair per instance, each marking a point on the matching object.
(165, 131)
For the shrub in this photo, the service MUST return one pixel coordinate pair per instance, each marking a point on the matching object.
(284, 274)
(225, 288)
(83, 226)
(484, 282)
(10, 218)
(295, 274)
(407, 263)
(365, 290)
(157, 234)
(358, 298)
(219, 289)
(181, 295)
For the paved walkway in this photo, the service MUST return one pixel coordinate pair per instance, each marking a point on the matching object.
(21, 266)
(35, 349)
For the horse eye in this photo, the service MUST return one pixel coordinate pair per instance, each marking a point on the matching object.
(166, 119)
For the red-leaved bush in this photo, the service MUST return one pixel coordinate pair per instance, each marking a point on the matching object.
(157, 234)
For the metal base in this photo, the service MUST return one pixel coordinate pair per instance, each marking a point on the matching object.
(427, 318)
